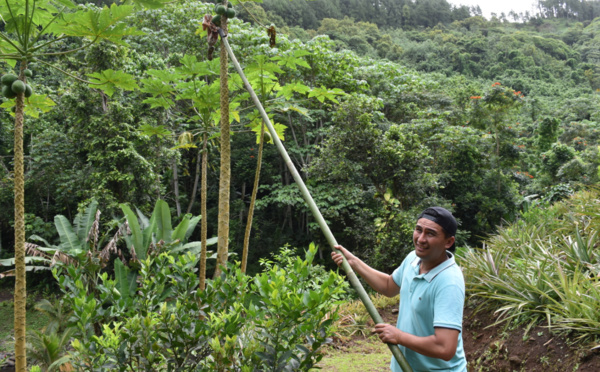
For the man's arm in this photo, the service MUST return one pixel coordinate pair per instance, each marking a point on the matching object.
(380, 282)
(442, 344)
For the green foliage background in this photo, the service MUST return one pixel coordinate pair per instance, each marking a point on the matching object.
(439, 106)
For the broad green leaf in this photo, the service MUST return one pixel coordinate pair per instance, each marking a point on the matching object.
(34, 105)
(162, 216)
(150, 130)
(292, 61)
(136, 234)
(191, 66)
(323, 93)
(161, 101)
(109, 80)
(70, 244)
(180, 230)
(288, 90)
(106, 23)
(279, 129)
(28, 260)
(292, 107)
(40, 239)
(167, 75)
(125, 280)
(84, 222)
(196, 247)
(191, 226)
(151, 4)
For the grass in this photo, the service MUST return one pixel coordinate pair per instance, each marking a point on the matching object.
(369, 355)
(354, 316)
(34, 320)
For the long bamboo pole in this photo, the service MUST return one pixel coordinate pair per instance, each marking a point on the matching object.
(352, 278)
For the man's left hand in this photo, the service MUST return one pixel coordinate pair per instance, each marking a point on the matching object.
(388, 333)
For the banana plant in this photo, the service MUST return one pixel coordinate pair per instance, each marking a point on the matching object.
(157, 233)
(79, 244)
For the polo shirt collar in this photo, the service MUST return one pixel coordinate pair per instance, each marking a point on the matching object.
(429, 276)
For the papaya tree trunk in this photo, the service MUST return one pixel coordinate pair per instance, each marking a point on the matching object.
(196, 178)
(176, 187)
(225, 170)
(20, 283)
(253, 200)
(204, 221)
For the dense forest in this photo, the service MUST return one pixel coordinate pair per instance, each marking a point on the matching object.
(128, 119)
(384, 110)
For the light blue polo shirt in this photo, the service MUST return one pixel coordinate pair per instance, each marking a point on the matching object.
(433, 299)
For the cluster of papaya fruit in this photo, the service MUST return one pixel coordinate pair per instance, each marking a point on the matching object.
(11, 85)
(221, 10)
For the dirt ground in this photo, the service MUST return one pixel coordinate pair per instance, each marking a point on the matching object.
(493, 349)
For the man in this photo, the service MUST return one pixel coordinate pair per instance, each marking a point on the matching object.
(432, 295)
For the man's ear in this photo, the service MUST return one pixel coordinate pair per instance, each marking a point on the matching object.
(449, 242)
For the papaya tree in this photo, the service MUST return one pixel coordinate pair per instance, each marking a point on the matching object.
(225, 167)
(190, 89)
(32, 32)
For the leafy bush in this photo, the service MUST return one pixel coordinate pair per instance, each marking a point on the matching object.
(277, 320)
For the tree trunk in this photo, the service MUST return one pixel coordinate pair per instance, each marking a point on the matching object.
(198, 160)
(176, 187)
(253, 200)
(20, 296)
(204, 221)
(225, 171)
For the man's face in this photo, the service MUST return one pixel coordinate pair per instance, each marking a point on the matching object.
(430, 241)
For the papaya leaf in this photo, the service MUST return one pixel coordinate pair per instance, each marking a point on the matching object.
(292, 61)
(323, 93)
(279, 128)
(34, 105)
(163, 75)
(109, 80)
(152, 4)
(94, 24)
(292, 107)
(158, 131)
(161, 101)
(288, 90)
(191, 66)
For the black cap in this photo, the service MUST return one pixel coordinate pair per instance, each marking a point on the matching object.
(442, 217)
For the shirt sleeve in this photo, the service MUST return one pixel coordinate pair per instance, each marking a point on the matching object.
(448, 307)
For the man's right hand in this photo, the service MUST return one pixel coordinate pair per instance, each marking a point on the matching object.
(338, 259)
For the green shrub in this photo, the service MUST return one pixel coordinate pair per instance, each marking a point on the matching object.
(277, 320)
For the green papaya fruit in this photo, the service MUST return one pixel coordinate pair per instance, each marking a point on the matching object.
(8, 79)
(18, 86)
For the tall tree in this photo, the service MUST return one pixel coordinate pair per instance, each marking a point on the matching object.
(31, 32)
(225, 169)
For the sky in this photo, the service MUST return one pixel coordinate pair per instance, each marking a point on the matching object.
(498, 6)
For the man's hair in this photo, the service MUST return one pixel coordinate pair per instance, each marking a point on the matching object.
(444, 218)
